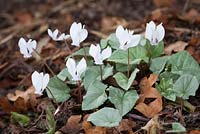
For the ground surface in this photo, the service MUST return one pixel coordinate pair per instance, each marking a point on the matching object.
(21, 18)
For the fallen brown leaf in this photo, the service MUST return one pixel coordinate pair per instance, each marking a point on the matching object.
(6, 105)
(73, 125)
(23, 94)
(152, 126)
(89, 129)
(23, 100)
(147, 91)
(194, 132)
(176, 47)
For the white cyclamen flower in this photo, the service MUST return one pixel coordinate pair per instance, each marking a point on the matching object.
(76, 70)
(95, 52)
(39, 81)
(126, 38)
(55, 37)
(154, 33)
(78, 33)
(26, 48)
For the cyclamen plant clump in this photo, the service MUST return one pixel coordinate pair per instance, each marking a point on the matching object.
(116, 55)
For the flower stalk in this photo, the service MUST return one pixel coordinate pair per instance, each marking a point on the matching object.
(128, 71)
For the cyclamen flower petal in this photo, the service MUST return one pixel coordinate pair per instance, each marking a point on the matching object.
(26, 48)
(54, 35)
(95, 52)
(76, 70)
(39, 81)
(77, 33)
(154, 33)
(126, 38)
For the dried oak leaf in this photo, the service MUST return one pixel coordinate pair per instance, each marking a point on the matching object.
(89, 129)
(152, 126)
(23, 94)
(176, 47)
(23, 100)
(73, 125)
(147, 91)
(6, 105)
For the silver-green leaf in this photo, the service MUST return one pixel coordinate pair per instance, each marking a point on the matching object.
(186, 86)
(176, 128)
(59, 89)
(95, 96)
(123, 81)
(93, 73)
(105, 117)
(123, 101)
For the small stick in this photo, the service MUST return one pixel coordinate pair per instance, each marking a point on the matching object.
(44, 62)
(134, 116)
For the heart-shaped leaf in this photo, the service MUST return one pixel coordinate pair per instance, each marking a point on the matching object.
(105, 117)
(123, 81)
(186, 86)
(59, 89)
(123, 101)
(93, 73)
(95, 96)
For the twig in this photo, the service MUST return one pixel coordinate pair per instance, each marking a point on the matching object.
(44, 62)
(98, 34)
(134, 116)
(9, 37)
(186, 6)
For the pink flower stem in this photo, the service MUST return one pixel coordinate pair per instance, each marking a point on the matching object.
(79, 91)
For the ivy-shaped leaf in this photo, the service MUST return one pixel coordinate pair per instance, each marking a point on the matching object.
(80, 53)
(123, 101)
(184, 63)
(165, 87)
(93, 73)
(186, 86)
(158, 64)
(123, 81)
(137, 54)
(59, 89)
(64, 74)
(111, 41)
(154, 50)
(105, 117)
(95, 96)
